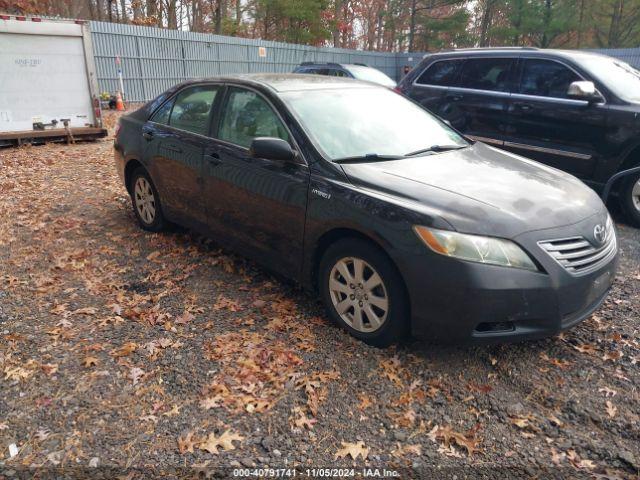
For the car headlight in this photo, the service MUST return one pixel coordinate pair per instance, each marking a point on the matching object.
(475, 248)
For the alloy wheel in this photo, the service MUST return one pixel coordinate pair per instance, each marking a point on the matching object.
(635, 194)
(358, 294)
(145, 200)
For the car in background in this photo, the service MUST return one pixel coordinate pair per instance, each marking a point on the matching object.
(359, 71)
(573, 110)
(400, 226)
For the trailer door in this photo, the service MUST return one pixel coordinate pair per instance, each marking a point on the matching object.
(43, 76)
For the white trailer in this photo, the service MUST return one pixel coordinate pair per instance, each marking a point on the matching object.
(48, 85)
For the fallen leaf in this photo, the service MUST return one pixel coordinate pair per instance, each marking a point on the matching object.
(85, 311)
(354, 450)
(153, 255)
(211, 402)
(612, 356)
(557, 457)
(611, 409)
(49, 368)
(450, 437)
(173, 412)
(259, 304)
(586, 348)
(608, 392)
(555, 420)
(365, 402)
(525, 422)
(186, 443)
(579, 463)
(126, 349)
(89, 361)
(224, 441)
(185, 318)
(136, 374)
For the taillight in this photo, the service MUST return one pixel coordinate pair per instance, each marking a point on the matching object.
(118, 127)
(397, 89)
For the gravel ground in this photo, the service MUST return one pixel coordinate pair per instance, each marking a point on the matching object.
(132, 355)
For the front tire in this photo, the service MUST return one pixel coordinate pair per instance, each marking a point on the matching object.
(363, 292)
(630, 199)
(146, 201)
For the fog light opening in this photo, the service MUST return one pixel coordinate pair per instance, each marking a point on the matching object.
(491, 327)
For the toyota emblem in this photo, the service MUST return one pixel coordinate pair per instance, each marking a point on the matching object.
(599, 233)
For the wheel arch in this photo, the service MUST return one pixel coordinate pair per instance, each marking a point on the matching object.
(335, 234)
(631, 159)
(131, 166)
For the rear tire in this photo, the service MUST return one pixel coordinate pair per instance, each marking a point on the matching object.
(630, 199)
(146, 201)
(363, 292)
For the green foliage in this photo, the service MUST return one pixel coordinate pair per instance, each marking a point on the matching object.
(296, 21)
(436, 33)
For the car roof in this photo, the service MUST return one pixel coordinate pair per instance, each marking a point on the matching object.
(330, 64)
(514, 51)
(287, 82)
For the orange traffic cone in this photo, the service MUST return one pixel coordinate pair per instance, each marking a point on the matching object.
(119, 103)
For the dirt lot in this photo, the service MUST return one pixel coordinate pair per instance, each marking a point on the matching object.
(130, 354)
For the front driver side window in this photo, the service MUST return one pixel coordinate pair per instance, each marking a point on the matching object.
(546, 78)
(246, 116)
(161, 115)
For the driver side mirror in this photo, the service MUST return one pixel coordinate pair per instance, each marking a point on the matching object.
(272, 148)
(584, 91)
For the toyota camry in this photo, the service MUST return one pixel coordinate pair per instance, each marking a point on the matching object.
(398, 222)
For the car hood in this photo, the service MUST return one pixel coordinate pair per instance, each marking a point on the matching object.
(482, 190)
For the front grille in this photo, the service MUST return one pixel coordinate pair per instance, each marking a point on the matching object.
(578, 256)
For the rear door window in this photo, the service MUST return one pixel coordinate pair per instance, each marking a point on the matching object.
(443, 73)
(192, 107)
(546, 78)
(486, 74)
(334, 72)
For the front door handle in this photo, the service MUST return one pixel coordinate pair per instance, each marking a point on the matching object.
(454, 98)
(147, 135)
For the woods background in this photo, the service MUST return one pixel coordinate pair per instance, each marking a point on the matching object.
(380, 25)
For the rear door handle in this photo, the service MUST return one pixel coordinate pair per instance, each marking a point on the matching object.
(213, 158)
(455, 98)
(147, 135)
(525, 107)
(174, 148)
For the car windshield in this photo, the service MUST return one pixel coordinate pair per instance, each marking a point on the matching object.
(356, 122)
(621, 78)
(370, 75)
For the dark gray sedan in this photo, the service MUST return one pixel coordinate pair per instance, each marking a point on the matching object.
(400, 223)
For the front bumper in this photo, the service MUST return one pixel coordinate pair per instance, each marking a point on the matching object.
(462, 302)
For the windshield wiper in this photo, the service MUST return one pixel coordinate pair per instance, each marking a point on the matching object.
(436, 149)
(369, 157)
